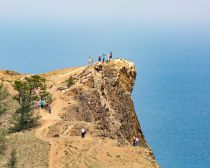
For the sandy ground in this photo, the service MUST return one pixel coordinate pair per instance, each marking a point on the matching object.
(73, 151)
(67, 151)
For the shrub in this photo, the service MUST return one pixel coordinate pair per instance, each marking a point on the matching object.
(70, 82)
(13, 160)
(29, 91)
(3, 95)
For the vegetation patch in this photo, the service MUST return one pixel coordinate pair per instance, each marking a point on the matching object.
(11, 73)
(13, 160)
(30, 90)
(70, 82)
(3, 95)
(3, 108)
(30, 152)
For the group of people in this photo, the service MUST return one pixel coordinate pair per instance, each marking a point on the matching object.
(102, 58)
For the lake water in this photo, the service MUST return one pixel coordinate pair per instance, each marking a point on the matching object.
(172, 98)
(172, 91)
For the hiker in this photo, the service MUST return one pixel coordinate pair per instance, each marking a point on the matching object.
(108, 58)
(83, 132)
(90, 61)
(104, 57)
(99, 58)
(49, 109)
(135, 141)
(110, 55)
(42, 103)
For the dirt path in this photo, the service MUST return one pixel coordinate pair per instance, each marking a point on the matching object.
(57, 157)
(48, 120)
(72, 151)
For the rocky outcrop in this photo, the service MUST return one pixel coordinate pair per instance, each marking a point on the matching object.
(100, 100)
(104, 95)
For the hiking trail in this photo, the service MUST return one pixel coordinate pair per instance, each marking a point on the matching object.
(48, 120)
(100, 101)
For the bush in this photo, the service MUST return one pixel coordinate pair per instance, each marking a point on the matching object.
(3, 95)
(29, 91)
(23, 119)
(70, 82)
(13, 160)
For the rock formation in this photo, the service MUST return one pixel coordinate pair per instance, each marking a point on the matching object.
(99, 100)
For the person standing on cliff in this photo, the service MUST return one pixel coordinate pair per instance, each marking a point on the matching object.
(110, 55)
(104, 57)
(135, 141)
(83, 132)
(99, 58)
(90, 61)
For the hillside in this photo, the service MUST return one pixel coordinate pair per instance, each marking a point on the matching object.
(100, 101)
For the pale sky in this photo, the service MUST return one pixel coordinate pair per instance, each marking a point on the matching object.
(57, 30)
(195, 11)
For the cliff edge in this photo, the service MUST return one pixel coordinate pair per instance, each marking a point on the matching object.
(99, 100)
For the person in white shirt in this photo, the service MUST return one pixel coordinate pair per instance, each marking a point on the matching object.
(89, 60)
(137, 142)
(83, 132)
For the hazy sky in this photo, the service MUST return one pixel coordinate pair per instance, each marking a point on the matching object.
(55, 31)
(196, 11)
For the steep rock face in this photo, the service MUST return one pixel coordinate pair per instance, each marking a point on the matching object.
(100, 101)
(104, 95)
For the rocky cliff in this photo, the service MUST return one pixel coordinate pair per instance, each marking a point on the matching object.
(99, 99)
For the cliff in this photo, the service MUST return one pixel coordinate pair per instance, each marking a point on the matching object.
(100, 101)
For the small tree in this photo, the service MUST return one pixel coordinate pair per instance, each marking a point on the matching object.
(3, 95)
(13, 160)
(29, 91)
(70, 82)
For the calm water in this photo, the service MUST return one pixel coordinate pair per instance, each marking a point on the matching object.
(172, 97)
(172, 92)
